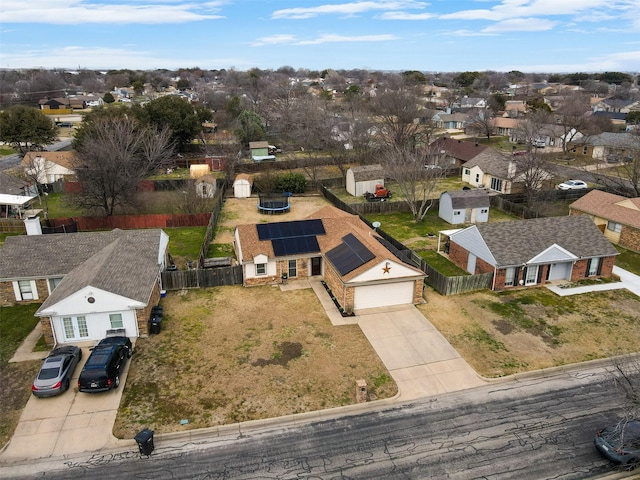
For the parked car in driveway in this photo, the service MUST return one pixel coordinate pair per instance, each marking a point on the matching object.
(102, 370)
(620, 443)
(56, 371)
(573, 185)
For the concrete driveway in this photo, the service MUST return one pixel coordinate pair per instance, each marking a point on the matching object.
(66, 424)
(419, 358)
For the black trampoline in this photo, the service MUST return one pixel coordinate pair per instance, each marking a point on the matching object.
(274, 203)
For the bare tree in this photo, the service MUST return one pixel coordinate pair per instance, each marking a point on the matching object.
(417, 182)
(573, 115)
(398, 113)
(533, 127)
(625, 374)
(625, 178)
(114, 157)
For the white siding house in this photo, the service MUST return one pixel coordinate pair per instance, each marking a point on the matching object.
(464, 206)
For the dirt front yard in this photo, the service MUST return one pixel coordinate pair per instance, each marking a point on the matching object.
(233, 354)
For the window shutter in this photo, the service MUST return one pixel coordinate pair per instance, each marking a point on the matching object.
(599, 272)
(540, 269)
(586, 272)
(516, 277)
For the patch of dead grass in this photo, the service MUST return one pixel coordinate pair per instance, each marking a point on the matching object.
(232, 354)
(523, 331)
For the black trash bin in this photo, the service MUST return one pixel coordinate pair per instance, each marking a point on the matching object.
(155, 325)
(144, 438)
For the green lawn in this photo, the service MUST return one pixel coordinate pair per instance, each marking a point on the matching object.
(16, 323)
(59, 206)
(628, 260)
(186, 241)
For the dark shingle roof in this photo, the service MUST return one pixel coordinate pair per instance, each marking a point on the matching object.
(469, 198)
(459, 149)
(127, 266)
(55, 255)
(494, 163)
(513, 243)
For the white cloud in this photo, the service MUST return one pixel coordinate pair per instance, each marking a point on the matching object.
(406, 16)
(73, 12)
(527, 8)
(274, 40)
(353, 8)
(343, 38)
(521, 25)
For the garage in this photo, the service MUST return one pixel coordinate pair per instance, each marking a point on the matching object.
(383, 295)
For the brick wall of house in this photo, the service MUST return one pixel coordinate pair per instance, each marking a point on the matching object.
(580, 268)
(630, 238)
(43, 290)
(349, 299)
(8, 296)
(418, 291)
(334, 282)
(482, 267)
(47, 332)
(266, 280)
(458, 255)
(143, 315)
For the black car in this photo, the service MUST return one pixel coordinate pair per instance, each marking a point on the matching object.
(102, 370)
(620, 443)
(56, 371)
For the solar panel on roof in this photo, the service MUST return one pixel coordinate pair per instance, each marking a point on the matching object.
(295, 245)
(349, 255)
(297, 228)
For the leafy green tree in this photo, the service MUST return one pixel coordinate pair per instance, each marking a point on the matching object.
(497, 102)
(249, 127)
(183, 84)
(26, 128)
(536, 104)
(138, 87)
(633, 118)
(466, 79)
(108, 98)
(176, 114)
(414, 77)
(616, 78)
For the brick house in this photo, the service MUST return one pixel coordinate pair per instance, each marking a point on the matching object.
(533, 252)
(87, 282)
(335, 246)
(616, 216)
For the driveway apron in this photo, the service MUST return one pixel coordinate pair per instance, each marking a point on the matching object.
(419, 358)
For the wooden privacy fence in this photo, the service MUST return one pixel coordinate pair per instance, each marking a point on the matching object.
(202, 278)
(441, 283)
(213, 220)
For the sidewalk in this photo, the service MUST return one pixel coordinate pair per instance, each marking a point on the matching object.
(628, 280)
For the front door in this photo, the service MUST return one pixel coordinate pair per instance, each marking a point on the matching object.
(316, 266)
(75, 328)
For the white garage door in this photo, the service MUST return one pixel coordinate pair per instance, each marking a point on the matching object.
(371, 296)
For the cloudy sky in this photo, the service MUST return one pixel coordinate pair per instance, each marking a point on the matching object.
(436, 35)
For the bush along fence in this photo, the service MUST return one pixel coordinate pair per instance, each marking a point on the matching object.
(441, 283)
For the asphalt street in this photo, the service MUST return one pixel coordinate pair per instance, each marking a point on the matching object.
(528, 428)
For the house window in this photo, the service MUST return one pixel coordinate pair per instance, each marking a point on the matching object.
(496, 184)
(532, 274)
(293, 268)
(261, 268)
(510, 276)
(456, 212)
(116, 320)
(26, 292)
(477, 178)
(467, 171)
(614, 227)
(53, 283)
(484, 210)
(593, 267)
(584, 150)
